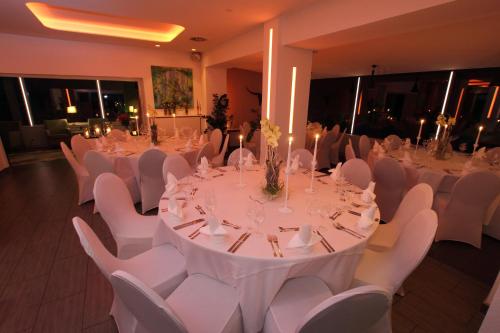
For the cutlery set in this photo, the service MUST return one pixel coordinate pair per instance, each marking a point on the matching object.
(236, 245)
(187, 224)
(200, 209)
(349, 231)
(273, 240)
(195, 233)
(285, 229)
(229, 224)
(324, 242)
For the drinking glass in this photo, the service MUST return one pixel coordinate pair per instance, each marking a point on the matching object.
(210, 201)
(260, 216)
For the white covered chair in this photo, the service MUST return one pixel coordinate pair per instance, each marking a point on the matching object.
(357, 172)
(151, 178)
(79, 146)
(493, 155)
(162, 268)
(85, 182)
(390, 186)
(336, 147)
(323, 156)
(199, 305)
(132, 232)
(234, 157)
(306, 305)
(305, 157)
(417, 199)
(349, 152)
(395, 142)
(461, 218)
(218, 160)
(207, 151)
(364, 147)
(389, 269)
(176, 165)
(216, 140)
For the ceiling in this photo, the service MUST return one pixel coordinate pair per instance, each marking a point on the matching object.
(217, 21)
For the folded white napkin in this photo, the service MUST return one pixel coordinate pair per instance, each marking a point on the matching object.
(367, 216)
(407, 143)
(201, 140)
(172, 185)
(336, 173)
(213, 227)
(304, 237)
(203, 167)
(249, 160)
(188, 145)
(407, 160)
(368, 194)
(294, 167)
(174, 209)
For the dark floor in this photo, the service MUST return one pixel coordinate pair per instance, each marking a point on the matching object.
(48, 284)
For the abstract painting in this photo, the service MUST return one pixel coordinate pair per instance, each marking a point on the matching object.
(172, 88)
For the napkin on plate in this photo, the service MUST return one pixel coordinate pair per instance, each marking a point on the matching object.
(336, 173)
(303, 238)
(368, 194)
(189, 145)
(213, 227)
(203, 167)
(174, 208)
(294, 167)
(172, 185)
(407, 161)
(249, 160)
(367, 216)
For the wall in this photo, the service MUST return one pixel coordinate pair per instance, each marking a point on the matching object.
(24, 55)
(241, 102)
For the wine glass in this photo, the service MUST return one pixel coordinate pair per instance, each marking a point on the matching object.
(260, 216)
(210, 201)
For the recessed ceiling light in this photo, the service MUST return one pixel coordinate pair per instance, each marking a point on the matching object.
(157, 45)
(194, 50)
(198, 39)
(74, 20)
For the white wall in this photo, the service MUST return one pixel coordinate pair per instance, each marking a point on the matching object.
(24, 55)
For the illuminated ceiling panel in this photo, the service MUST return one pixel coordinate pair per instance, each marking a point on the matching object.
(73, 20)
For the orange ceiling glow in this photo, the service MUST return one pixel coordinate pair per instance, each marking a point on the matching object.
(73, 20)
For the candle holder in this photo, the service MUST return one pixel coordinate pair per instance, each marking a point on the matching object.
(285, 208)
(240, 167)
(310, 189)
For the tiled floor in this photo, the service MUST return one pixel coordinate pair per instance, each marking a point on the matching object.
(48, 284)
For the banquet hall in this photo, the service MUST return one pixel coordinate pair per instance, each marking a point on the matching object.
(249, 166)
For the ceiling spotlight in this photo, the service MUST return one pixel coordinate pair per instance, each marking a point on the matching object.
(198, 39)
(157, 45)
(194, 50)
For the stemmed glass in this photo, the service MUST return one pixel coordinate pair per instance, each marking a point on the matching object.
(210, 201)
(256, 214)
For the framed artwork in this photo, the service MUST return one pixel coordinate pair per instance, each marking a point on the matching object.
(172, 88)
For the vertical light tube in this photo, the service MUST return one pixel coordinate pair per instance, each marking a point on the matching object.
(355, 105)
(450, 79)
(269, 67)
(292, 100)
(26, 102)
(100, 99)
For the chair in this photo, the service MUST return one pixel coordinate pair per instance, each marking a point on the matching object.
(491, 322)
(151, 178)
(389, 269)
(57, 130)
(349, 152)
(391, 185)
(79, 146)
(395, 142)
(357, 172)
(216, 140)
(336, 131)
(336, 147)
(364, 147)
(117, 135)
(176, 165)
(199, 304)
(417, 199)
(306, 305)
(207, 151)
(305, 157)
(234, 157)
(323, 156)
(85, 183)
(493, 155)
(132, 232)
(461, 217)
(163, 279)
(218, 160)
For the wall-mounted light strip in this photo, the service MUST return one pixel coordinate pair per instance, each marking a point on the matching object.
(450, 79)
(360, 101)
(26, 102)
(459, 102)
(269, 67)
(292, 100)
(493, 100)
(100, 99)
(67, 96)
(355, 105)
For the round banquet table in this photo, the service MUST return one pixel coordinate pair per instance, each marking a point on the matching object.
(252, 270)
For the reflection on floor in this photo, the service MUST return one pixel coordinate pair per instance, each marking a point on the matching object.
(48, 284)
(29, 157)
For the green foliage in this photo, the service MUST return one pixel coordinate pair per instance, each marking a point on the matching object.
(218, 118)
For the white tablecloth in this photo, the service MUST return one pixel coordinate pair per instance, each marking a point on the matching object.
(253, 271)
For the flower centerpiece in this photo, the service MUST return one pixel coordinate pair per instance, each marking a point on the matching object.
(272, 134)
(442, 146)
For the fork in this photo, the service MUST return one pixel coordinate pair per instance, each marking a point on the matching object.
(229, 224)
(274, 239)
(195, 233)
(270, 240)
(349, 231)
(282, 229)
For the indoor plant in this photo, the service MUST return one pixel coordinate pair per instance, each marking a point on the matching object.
(271, 133)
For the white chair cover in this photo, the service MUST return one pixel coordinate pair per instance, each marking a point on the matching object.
(305, 157)
(389, 269)
(117, 135)
(199, 304)
(391, 185)
(349, 152)
(234, 157)
(97, 163)
(80, 146)
(176, 165)
(461, 219)
(216, 140)
(336, 131)
(125, 171)
(364, 147)
(412, 176)
(417, 199)
(323, 156)
(151, 178)
(218, 160)
(207, 151)
(492, 223)
(85, 183)
(395, 142)
(336, 147)
(307, 305)
(132, 232)
(357, 172)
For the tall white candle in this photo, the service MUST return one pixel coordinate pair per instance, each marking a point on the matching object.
(478, 135)
(445, 129)
(241, 149)
(315, 153)
(147, 115)
(288, 160)
(420, 129)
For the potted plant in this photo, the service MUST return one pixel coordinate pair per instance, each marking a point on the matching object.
(218, 118)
